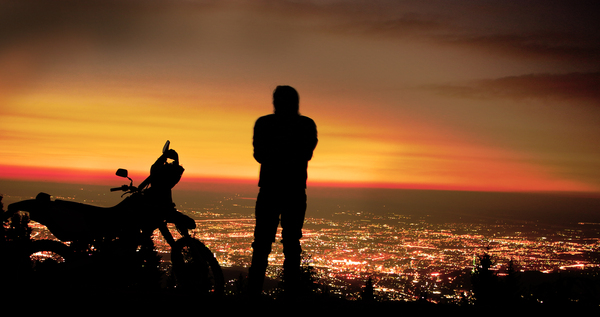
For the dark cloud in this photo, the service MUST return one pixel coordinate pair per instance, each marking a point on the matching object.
(22, 21)
(531, 28)
(369, 18)
(561, 46)
(573, 86)
(36, 35)
(407, 26)
(107, 23)
(560, 30)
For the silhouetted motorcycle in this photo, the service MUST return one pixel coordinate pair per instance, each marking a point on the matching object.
(128, 225)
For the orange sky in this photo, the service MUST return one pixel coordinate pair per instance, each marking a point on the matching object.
(404, 94)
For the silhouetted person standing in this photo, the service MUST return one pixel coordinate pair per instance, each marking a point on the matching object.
(283, 144)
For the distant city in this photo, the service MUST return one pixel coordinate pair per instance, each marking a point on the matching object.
(405, 256)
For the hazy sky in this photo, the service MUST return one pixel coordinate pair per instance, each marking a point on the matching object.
(487, 95)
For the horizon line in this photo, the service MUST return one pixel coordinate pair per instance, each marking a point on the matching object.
(103, 177)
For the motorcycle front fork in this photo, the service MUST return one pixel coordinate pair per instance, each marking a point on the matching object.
(168, 236)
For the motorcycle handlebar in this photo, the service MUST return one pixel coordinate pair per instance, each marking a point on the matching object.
(123, 188)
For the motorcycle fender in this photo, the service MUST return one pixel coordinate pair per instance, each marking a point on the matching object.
(30, 205)
(63, 223)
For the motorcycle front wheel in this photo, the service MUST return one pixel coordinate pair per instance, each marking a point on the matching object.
(195, 267)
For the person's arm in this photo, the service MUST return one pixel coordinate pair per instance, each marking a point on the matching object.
(258, 142)
(311, 139)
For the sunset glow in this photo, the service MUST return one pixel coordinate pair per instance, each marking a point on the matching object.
(405, 95)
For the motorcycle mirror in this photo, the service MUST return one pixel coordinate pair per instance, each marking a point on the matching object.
(166, 147)
(121, 172)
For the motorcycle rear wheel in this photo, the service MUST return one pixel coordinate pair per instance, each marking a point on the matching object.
(195, 268)
(42, 251)
(50, 265)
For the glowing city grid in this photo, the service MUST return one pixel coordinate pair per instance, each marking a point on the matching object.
(404, 256)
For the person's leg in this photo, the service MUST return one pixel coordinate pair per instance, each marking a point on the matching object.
(267, 220)
(292, 221)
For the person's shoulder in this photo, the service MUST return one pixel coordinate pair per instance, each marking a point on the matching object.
(307, 120)
(267, 117)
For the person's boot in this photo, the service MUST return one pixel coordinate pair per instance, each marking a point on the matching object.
(256, 279)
